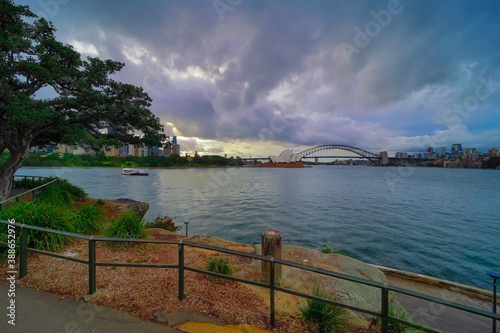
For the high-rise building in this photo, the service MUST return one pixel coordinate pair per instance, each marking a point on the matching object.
(176, 148)
(441, 151)
(456, 149)
(401, 155)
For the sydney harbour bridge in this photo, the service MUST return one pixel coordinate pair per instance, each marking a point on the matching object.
(337, 151)
(333, 151)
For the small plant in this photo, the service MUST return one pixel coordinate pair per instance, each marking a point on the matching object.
(101, 202)
(89, 219)
(321, 316)
(164, 222)
(220, 266)
(128, 225)
(399, 313)
(326, 249)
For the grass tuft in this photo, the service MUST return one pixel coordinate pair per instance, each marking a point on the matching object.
(220, 266)
(45, 215)
(128, 225)
(89, 219)
(323, 317)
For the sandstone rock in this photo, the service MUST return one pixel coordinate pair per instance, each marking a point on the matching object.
(350, 293)
(129, 205)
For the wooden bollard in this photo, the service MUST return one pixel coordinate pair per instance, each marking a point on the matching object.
(272, 246)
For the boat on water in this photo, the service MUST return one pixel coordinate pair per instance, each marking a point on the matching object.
(134, 172)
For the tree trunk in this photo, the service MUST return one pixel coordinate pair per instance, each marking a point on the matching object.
(9, 168)
(5, 183)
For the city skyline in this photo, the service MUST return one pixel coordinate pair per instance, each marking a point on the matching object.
(256, 77)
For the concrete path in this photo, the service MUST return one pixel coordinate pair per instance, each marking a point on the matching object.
(42, 312)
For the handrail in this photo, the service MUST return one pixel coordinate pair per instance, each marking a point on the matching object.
(92, 263)
(32, 191)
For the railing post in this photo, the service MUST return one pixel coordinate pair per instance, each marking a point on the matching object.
(385, 310)
(23, 253)
(92, 266)
(271, 293)
(181, 271)
(495, 276)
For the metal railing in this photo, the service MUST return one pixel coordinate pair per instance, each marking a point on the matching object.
(33, 191)
(274, 287)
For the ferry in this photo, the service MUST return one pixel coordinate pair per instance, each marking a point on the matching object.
(134, 172)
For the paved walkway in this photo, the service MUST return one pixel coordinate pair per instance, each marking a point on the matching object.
(43, 312)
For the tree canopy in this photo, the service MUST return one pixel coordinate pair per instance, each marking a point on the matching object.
(86, 106)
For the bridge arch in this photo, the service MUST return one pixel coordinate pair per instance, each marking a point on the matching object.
(332, 151)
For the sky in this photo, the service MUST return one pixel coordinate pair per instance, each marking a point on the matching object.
(255, 77)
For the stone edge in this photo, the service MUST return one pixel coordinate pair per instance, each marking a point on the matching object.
(469, 291)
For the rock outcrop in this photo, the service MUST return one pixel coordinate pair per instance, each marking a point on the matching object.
(350, 293)
(129, 205)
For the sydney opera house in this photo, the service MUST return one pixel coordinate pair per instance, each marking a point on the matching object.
(287, 159)
(286, 156)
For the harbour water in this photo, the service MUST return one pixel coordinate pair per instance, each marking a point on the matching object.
(439, 222)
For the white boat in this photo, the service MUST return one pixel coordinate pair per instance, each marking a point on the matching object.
(134, 172)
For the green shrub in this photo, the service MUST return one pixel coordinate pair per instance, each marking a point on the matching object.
(89, 219)
(54, 194)
(43, 215)
(77, 193)
(220, 266)
(164, 222)
(321, 316)
(101, 202)
(128, 225)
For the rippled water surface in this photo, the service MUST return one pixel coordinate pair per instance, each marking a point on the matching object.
(439, 222)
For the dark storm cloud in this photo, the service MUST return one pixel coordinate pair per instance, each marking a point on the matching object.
(357, 72)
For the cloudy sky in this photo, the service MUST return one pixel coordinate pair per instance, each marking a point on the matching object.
(253, 77)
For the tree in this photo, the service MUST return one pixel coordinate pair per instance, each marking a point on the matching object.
(86, 105)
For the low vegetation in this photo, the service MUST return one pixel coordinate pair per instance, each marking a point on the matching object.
(326, 249)
(127, 225)
(395, 326)
(90, 219)
(220, 266)
(164, 222)
(323, 317)
(54, 208)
